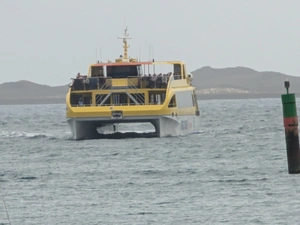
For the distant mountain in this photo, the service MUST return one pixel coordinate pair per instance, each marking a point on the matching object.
(242, 79)
(28, 92)
(211, 83)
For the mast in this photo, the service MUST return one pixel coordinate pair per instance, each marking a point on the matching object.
(125, 46)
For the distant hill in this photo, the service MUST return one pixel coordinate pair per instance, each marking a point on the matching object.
(211, 83)
(242, 79)
(26, 92)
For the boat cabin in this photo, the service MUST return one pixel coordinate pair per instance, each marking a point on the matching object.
(116, 70)
(127, 81)
(132, 69)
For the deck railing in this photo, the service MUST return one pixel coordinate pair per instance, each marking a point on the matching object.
(97, 83)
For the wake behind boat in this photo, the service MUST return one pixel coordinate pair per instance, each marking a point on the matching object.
(131, 91)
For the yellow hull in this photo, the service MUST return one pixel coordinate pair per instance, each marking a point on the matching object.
(144, 109)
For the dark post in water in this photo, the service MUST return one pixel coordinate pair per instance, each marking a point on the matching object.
(290, 121)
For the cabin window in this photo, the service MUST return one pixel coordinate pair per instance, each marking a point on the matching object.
(75, 99)
(157, 97)
(87, 99)
(97, 71)
(177, 71)
(172, 102)
(122, 71)
(140, 71)
(81, 99)
(119, 99)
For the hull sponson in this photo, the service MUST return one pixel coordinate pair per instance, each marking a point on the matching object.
(86, 128)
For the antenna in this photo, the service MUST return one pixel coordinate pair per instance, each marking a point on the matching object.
(152, 59)
(152, 53)
(149, 58)
(96, 54)
(100, 55)
(124, 23)
(140, 53)
(125, 46)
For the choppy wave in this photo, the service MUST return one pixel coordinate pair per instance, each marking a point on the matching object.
(28, 178)
(28, 135)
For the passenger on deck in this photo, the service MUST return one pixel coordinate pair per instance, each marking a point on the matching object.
(101, 77)
(78, 76)
(153, 79)
(164, 80)
(101, 73)
(159, 80)
(80, 102)
(146, 80)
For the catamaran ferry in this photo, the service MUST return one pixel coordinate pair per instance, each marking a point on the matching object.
(130, 91)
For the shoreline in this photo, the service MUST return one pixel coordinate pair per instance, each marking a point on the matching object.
(239, 96)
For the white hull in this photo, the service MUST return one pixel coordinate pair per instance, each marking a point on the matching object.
(89, 128)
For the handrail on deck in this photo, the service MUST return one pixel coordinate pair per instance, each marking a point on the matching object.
(94, 83)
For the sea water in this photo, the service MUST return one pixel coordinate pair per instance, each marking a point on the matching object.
(233, 171)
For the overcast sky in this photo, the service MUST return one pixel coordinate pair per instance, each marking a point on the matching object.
(49, 41)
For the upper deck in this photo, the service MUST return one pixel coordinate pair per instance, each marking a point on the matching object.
(128, 74)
